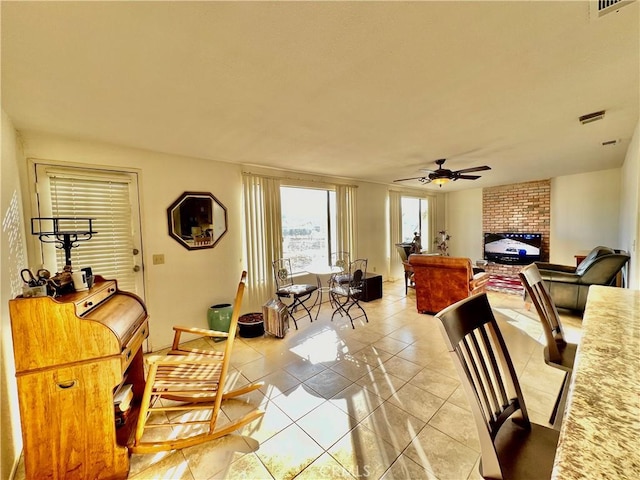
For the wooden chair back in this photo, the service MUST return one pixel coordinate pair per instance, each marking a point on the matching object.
(511, 446)
(547, 311)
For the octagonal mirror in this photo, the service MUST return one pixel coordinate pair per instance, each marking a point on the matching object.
(197, 220)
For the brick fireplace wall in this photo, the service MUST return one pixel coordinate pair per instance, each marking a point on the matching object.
(520, 208)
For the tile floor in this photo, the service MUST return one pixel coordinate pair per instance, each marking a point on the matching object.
(381, 401)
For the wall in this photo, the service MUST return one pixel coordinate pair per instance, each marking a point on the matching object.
(521, 208)
(585, 213)
(464, 223)
(630, 208)
(12, 260)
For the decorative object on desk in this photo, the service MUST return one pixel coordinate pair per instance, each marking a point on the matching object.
(34, 286)
(251, 325)
(442, 242)
(64, 232)
(197, 220)
(79, 279)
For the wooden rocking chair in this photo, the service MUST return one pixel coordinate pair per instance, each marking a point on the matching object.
(184, 392)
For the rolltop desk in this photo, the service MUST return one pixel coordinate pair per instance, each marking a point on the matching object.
(72, 353)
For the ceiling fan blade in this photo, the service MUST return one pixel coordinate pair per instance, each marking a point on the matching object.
(422, 179)
(467, 177)
(473, 169)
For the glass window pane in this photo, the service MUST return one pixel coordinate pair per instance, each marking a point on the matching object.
(410, 218)
(306, 230)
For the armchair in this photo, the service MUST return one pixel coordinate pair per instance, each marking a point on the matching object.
(441, 281)
(568, 286)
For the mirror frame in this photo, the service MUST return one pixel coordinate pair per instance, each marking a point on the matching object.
(216, 216)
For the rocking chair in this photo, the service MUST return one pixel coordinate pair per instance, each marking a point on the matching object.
(184, 392)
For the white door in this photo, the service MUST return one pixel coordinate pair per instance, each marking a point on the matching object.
(110, 199)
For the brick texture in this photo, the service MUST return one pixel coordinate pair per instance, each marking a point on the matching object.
(520, 208)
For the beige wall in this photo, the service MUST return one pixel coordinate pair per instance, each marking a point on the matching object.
(630, 207)
(12, 260)
(464, 223)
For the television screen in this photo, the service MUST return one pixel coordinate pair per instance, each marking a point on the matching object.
(512, 248)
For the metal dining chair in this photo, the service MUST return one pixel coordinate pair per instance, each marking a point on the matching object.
(346, 295)
(558, 353)
(511, 446)
(296, 293)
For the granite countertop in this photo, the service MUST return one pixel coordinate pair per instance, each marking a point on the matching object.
(600, 433)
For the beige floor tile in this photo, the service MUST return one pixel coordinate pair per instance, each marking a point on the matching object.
(395, 425)
(298, 401)
(381, 382)
(357, 401)
(458, 423)
(327, 383)
(364, 453)
(326, 424)
(440, 454)
(417, 402)
(325, 467)
(404, 468)
(434, 382)
(289, 452)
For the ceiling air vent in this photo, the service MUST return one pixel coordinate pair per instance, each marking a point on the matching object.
(599, 8)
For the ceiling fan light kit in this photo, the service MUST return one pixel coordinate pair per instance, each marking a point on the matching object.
(441, 175)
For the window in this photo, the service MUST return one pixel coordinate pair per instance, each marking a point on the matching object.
(111, 199)
(415, 218)
(308, 226)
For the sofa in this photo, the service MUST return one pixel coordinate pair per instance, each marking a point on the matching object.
(568, 285)
(441, 281)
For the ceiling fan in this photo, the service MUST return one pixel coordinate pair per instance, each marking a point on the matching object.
(441, 175)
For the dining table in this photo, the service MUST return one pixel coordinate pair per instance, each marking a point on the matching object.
(600, 430)
(324, 287)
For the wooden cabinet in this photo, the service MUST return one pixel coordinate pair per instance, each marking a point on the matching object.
(71, 354)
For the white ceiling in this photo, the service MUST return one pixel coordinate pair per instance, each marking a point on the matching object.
(365, 90)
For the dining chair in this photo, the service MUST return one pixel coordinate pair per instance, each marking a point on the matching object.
(184, 391)
(558, 353)
(404, 250)
(347, 295)
(512, 447)
(296, 293)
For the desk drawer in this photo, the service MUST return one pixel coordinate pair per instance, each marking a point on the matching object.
(134, 344)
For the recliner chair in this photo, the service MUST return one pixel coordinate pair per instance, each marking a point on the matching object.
(568, 286)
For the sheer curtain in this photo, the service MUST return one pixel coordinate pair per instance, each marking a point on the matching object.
(396, 270)
(346, 228)
(263, 235)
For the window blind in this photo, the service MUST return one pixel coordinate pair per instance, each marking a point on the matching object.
(109, 253)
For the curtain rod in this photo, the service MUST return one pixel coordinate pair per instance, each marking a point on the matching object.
(301, 179)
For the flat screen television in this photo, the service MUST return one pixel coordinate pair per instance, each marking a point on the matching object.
(512, 248)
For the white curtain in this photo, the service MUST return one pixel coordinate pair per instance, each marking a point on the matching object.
(396, 270)
(347, 225)
(263, 236)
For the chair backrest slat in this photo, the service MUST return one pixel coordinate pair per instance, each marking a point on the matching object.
(547, 311)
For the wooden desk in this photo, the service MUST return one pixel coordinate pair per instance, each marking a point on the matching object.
(600, 433)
